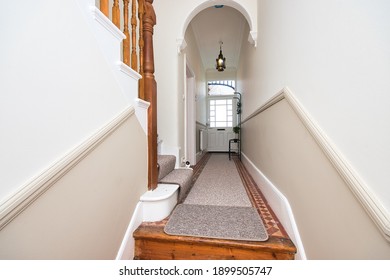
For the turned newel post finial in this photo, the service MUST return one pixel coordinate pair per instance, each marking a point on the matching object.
(149, 21)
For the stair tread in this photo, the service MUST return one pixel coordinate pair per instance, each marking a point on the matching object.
(164, 246)
(155, 230)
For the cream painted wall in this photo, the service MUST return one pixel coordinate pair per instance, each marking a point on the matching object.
(85, 214)
(331, 221)
(335, 57)
(168, 36)
(54, 91)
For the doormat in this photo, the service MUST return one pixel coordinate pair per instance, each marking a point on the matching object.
(211, 221)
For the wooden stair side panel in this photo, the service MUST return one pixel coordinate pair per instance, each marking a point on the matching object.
(151, 243)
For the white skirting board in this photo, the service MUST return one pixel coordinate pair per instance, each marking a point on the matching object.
(279, 205)
(126, 250)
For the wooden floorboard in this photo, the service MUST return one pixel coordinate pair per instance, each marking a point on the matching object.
(156, 244)
(153, 243)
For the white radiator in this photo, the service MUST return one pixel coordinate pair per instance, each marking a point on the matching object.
(203, 139)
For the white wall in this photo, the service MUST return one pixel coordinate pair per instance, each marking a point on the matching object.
(194, 61)
(335, 57)
(54, 90)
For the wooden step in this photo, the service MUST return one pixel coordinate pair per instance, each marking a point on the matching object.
(151, 243)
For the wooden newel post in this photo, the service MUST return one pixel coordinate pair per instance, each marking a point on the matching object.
(141, 13)
(150, 89)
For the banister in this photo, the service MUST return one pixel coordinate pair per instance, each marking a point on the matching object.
(147, 89)
(150, 91)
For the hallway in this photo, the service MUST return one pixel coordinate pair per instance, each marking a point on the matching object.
(153, 243)
(257, 200)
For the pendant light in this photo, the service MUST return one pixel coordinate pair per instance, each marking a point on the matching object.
(220, 60)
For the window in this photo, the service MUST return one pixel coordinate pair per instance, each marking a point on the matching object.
(221, 112)
(226, 87)
(221, 103)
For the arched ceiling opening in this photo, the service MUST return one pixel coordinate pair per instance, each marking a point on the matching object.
(214, 25)
(224, 21)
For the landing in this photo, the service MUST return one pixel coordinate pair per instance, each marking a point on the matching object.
(153, 243)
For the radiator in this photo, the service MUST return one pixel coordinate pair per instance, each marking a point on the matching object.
(203, 139)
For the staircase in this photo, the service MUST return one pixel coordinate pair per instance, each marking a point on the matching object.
(173, 187)
(167, 174)
(152, 243)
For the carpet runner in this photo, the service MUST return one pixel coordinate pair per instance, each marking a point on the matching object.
(207, 213)
(222, 222)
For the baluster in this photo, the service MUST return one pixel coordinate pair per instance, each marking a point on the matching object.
(116, 14)
(126, 41)
(104, 7)
(134, 36)
(141, 12)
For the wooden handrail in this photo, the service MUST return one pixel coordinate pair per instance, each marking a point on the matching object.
(144, 61)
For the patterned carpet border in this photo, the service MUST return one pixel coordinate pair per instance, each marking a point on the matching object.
(270, 220)
(198, 168)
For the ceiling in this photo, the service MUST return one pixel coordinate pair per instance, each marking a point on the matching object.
(213, 25)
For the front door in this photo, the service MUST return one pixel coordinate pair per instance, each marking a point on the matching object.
(220, 115)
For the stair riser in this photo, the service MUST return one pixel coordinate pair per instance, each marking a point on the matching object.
(159, 250)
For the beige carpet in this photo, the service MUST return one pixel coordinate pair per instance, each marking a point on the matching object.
(217, 206)
(219, 184)
(222, 222)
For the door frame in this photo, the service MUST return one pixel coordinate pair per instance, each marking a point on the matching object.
(189, 114)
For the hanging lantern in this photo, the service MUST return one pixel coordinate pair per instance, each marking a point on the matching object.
(221, 61)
